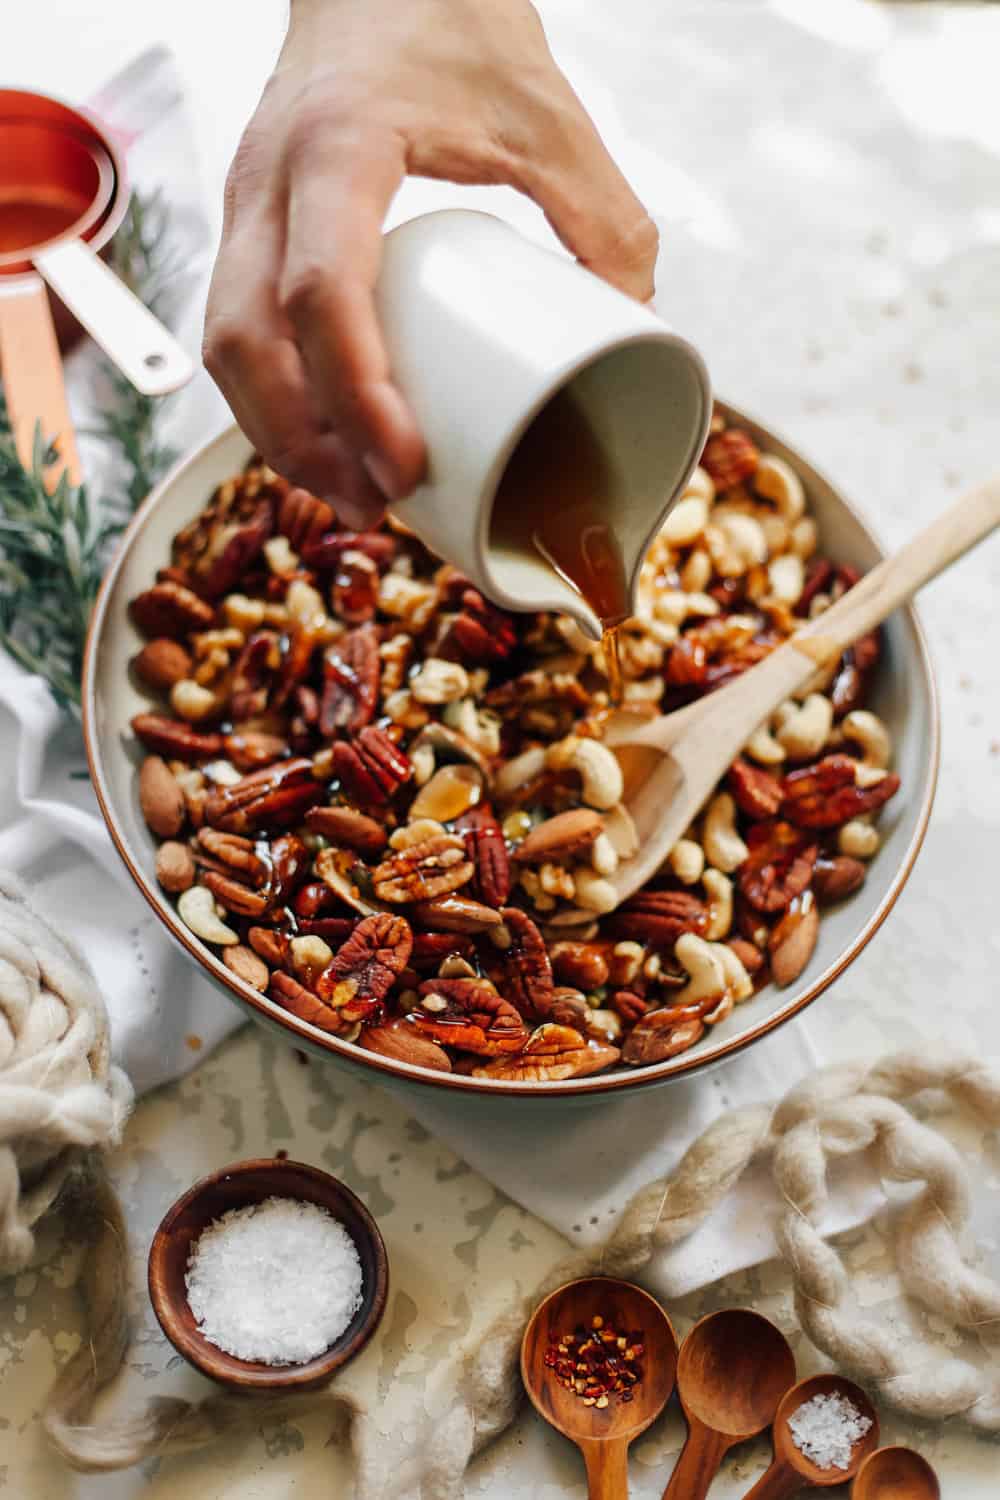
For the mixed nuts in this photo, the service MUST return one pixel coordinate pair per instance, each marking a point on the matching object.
(388, 804)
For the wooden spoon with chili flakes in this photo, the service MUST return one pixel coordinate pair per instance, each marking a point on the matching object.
(581, 1340)
(671, 763)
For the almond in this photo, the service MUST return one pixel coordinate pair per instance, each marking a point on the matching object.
(245, 964)
(399, 1039)
(162, 663)
(175, 867)
(793, 940)
(835, 877)
(568, 833)
(160, 798)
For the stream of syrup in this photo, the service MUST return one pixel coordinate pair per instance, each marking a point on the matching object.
(547, 499)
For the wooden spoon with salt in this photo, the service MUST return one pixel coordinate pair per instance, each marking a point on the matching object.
(790, 1469)
(671, 763)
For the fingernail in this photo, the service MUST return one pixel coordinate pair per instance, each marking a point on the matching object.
(382, 474)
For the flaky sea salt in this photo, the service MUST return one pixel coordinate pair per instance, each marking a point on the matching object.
(826, 1428)
(278, 1281)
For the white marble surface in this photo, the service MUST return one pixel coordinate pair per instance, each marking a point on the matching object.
(827, 178)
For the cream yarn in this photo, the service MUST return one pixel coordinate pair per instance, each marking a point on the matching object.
(60, 1094)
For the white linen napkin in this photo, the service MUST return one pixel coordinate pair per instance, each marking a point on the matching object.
(165, 1015)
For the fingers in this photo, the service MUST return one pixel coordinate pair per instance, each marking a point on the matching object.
(339, 190)
(574, 180)
(251, 355)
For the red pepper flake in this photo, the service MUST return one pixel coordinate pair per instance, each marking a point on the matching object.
(597, 1363)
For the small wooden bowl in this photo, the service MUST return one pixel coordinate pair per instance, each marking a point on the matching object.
(237, 1186)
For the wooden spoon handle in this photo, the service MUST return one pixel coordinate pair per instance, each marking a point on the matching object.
(776, 1483)
(33, 373)
(698, 1464)
(896, 579)
(607, 1468)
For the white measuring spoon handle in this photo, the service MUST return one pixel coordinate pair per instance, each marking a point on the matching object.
(129, 334)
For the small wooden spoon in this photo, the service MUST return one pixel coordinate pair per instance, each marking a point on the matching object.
(602, 1434)
(895, 1474)
(733, 1369)
(672, 762)
(790, 1470)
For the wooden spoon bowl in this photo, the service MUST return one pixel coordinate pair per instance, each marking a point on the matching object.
(791, 1470)
(236, 1187)
(602, 1434)
(895, 1473)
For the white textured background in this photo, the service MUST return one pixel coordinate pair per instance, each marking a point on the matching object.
(828, 178)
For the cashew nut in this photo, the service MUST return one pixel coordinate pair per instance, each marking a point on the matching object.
(222, 772)
(701, 484)
(480, 726)
(242, 612)
(859, 839)
(604, 855)
(620, 829)
(867, 730)
(786, 577)
(556, 880)
(763, 747)
(417, 832)
(697, 571)
(407, 599)
(776, 532)
(722, 844)
(531, 884)
(777, 481)
(626, 960)
(803, 731)
(281, 558)
(593, 892)
(199, 910)
(304, 603)
(736, 543)
(738, 981)
(192, 701)
(719, 890)
(439, 681)
(687, 860)
(519, 771)
(700, 959)
(866, 776)
(422, 761)
(602, 784)
(804, 537)
(310, 953)
(649, 691)
(607, 1022)
(402, 708)
(686, 521)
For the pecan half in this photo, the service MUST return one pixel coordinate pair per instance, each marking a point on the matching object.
(552, 1052)
(778, 868)
(730, 457)
(456, 914)
(756, 792)
(161, 663)
(275, 797)
(305, 1004)
(582, 965)
(363, 971)
(347, 827)
(661, 1034)
(170, 609)
(425, 870)
(233, 551)
(431, 948)
(314, 898)
(565, 836)
(485, 846)
(630, 1006)
(527, 970)
(249, 750)
(836, 876)
(289, 866)
(174, 738)
(400, 1039)
(303, 518)
(324, 552)
(237, 854)
(371, 768)
(350, 681)
(255, 673)
(825, 795)
(659, 917)
(793, 940)
(687, 663)
(234, 895)
(354, 592)
(479, 632)
(819, 573)
(273, 947)
(849, 688)
(469, 1014)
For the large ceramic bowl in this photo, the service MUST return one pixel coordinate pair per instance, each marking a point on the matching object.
(904, 697)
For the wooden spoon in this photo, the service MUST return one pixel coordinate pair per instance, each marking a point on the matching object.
(895, 1474)
(790, 1470)
(671, 763)
(602, 1435)
(733, 1369)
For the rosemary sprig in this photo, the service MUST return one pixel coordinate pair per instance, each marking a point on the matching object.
(54, 545)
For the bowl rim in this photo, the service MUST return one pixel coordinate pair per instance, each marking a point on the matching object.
(302, 1033)
(251, 1375)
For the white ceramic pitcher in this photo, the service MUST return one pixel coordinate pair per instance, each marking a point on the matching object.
(483, 328)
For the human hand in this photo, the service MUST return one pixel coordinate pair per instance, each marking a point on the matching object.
(365, 92)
